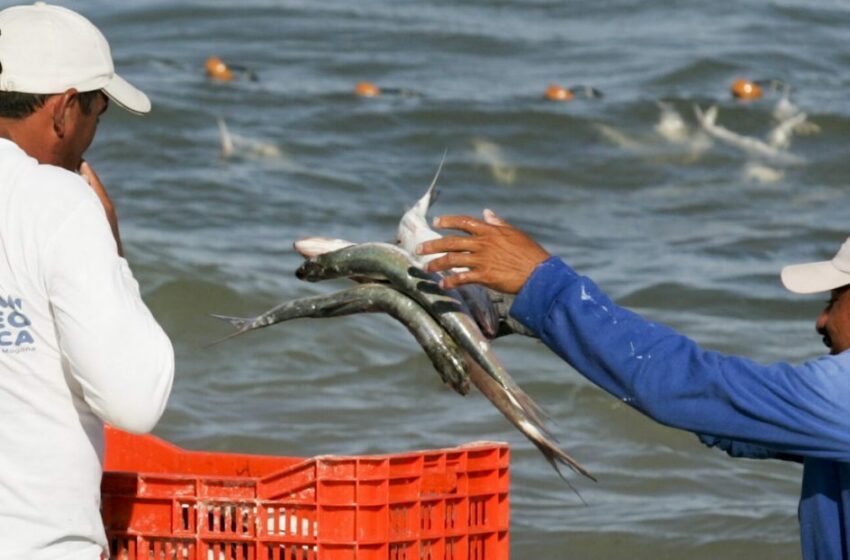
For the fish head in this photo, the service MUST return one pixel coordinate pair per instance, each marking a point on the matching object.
(309, 247)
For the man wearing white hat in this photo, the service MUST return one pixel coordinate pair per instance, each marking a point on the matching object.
(78, 346)
(782, 411)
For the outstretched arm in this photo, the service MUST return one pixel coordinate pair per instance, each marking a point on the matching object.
(791, 410)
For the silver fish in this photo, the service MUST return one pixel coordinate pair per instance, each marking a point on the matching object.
(414, 229)
(399, 268)
(543, 440)
(506, 324)
(708, 121)
(455, 366)
(312, 246)
(441, 349)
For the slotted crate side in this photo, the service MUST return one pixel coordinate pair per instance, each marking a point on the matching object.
(432, 505)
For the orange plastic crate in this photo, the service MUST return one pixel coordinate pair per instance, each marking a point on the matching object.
(160, 502)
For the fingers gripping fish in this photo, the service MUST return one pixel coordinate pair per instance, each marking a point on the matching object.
(413, 229)
(485, 370)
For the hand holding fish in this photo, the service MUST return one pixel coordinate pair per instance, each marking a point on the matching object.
(496, 254)
(454, 327)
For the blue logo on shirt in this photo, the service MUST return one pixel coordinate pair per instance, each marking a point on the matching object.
(14, 325)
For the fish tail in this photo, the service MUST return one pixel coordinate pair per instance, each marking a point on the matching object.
(237, 322)
(529, 406)
(557, 457)
(227, 147)
(572, 487)
(432, 197)
(241, 324)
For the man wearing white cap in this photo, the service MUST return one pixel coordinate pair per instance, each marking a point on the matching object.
(78, 346)
(782, 411)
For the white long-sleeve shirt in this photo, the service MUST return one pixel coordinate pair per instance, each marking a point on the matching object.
(78, 347)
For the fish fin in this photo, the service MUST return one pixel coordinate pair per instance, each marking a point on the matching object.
(534, 411)
(227, 148)
(544, 441)
(555, 455)
(241, 324)
(555, 461)
(708, 118)
(432, 198)
(237, 322)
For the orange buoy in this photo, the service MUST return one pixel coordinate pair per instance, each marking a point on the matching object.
(558, 93)
(366, 89)
(218, 70)
(746, 90)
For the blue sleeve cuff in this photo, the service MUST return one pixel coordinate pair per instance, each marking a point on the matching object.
(540, 290)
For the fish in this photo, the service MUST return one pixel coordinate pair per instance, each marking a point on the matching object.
(234, 145)
(400, 269)
(441, 349)
(759, 173)
(455, 367)
(671, 126)
(506, 324)
(780, 136)
(670, 130)
(313, 246)
(491, 154)
(791, 120)
(748, 144)
(542, 439)
(227, 147)
(485, 371)
(414, 229)
(499, 303)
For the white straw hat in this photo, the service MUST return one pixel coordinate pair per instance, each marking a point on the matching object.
(822, 276)
(49, 49)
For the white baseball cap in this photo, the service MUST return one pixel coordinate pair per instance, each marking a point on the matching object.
(822, 276)
(48, 49)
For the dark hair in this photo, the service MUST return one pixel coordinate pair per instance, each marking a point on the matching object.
(16, 105)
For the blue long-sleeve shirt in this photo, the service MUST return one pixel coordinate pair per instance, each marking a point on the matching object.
(747, 409)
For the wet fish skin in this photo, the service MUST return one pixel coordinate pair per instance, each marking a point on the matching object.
(708, 122)
(507, 325)
(454, 365)
(441, 349)
(414, 229)
(544, 441)
(399, 268)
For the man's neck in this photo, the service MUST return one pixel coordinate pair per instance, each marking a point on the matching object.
(33, 135)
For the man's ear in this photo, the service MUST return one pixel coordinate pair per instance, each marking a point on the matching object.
(63, 104)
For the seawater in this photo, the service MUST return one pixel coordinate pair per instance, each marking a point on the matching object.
(691, 236)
